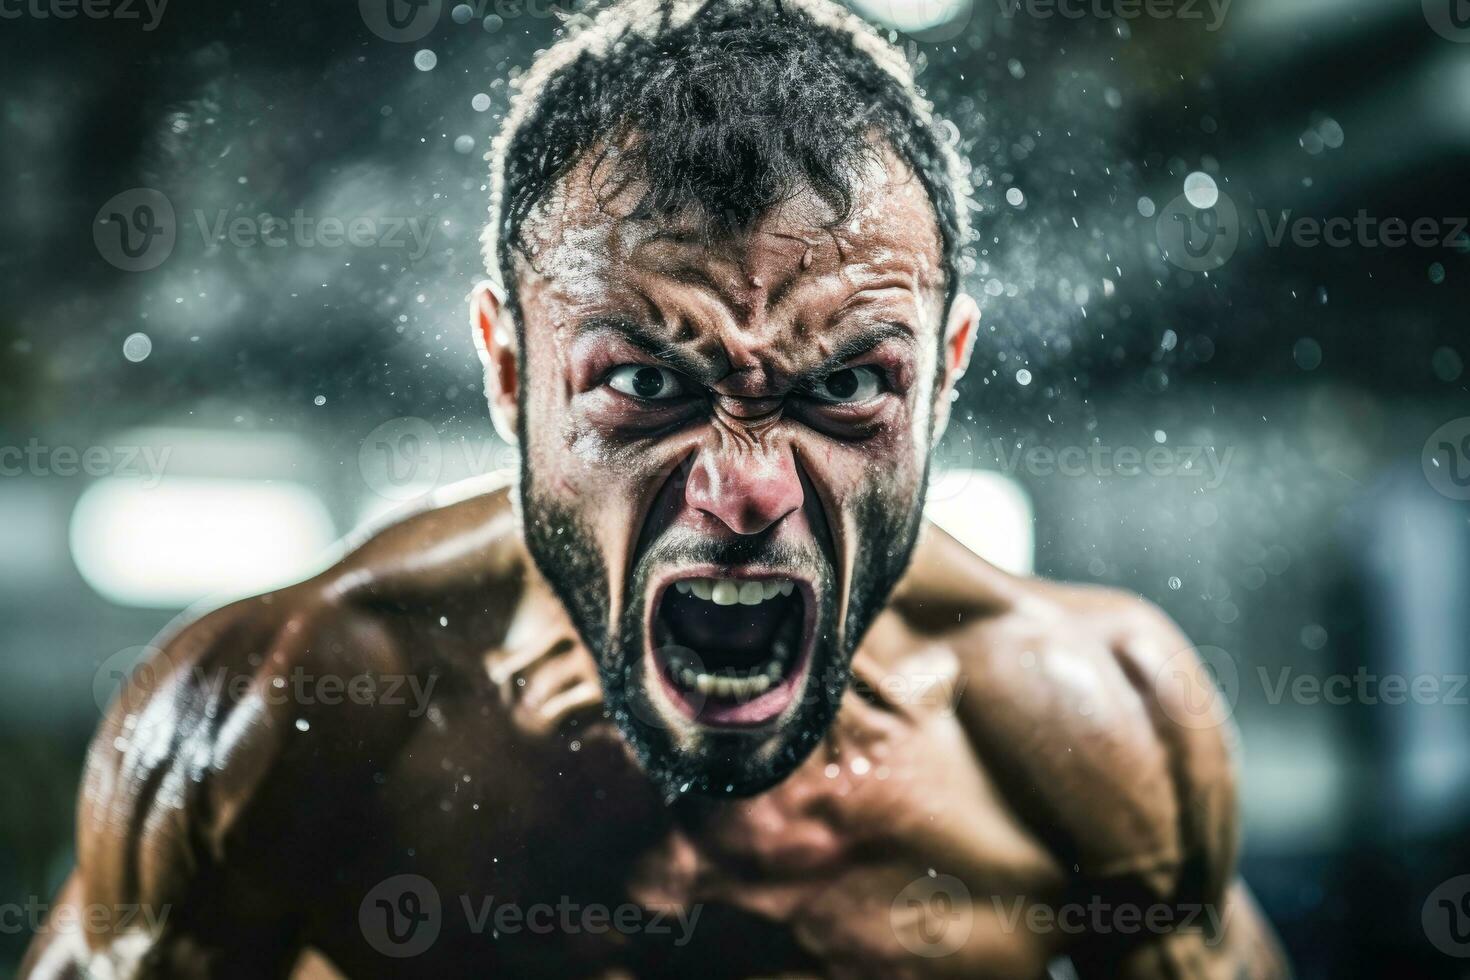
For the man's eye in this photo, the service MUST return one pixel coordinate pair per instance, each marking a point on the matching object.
(848, 386)
(646, 382)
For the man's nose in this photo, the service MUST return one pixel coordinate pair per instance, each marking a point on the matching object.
(747, 489)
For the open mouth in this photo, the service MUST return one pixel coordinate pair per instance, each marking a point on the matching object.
(731, 651)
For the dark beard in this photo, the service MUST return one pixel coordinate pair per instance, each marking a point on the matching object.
(723, 764)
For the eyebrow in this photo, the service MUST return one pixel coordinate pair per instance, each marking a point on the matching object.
(646, 340)
(855, 346)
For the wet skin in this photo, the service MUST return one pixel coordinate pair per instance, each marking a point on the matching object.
(1026, 747)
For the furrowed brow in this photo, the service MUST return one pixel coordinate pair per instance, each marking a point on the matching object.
(856, 346)
(643, 338)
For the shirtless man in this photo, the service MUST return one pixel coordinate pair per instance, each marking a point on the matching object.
(701, 695)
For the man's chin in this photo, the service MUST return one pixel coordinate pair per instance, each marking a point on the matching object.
(713, 746)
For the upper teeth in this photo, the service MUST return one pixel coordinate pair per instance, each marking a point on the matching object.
(729, 591)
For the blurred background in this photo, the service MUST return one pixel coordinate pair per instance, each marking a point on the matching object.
(232, 331)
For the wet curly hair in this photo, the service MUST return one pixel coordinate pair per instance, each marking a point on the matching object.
(722, 109)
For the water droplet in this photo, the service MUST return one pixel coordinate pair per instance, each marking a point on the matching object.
(302, 725)
(1023, 377)
(319, 400)
(425, 60)
(1331, 132)
(1200, 190)
(480, 102)
(1307, 353)
(1015, 198)
(137, 347)
(1447, 364)
(464, 143)
(1175, 584)
(1146, 206)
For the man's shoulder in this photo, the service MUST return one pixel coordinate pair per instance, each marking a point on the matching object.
(316, 685)
(1094, 713)
(356, 614)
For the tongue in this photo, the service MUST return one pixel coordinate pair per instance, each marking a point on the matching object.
(725, 636)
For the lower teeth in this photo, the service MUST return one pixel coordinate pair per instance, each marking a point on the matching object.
(743, 684)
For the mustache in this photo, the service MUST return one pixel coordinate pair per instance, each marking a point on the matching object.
(690, 548)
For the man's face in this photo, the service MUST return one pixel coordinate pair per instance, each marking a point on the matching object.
(724, 456)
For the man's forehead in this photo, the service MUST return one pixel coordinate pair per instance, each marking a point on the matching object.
(587, 237)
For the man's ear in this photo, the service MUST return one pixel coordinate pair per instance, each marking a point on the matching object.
(959, 340)
(495, 339)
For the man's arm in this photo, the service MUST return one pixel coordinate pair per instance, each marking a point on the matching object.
(1113, 746)
(1206, 924)
(201, 810)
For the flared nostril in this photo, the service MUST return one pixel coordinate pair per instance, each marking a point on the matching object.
(747, 492)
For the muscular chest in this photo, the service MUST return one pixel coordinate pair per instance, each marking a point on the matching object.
(888, 844)
(880, 848)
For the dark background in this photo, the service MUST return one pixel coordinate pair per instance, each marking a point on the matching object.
(1328, 546)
